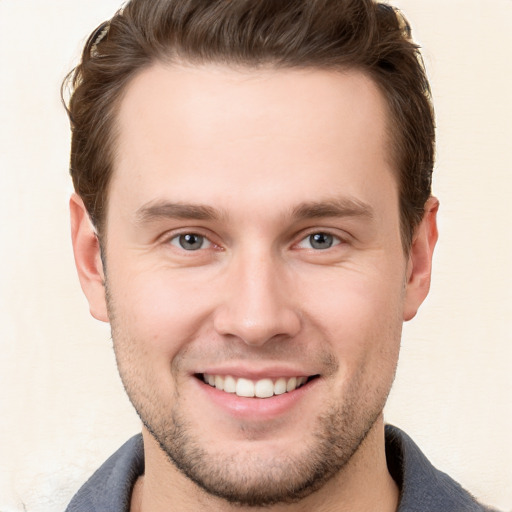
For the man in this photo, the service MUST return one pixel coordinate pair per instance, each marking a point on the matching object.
(253, 216)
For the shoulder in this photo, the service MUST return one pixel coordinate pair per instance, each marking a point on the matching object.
(423, 488)
(109, 488)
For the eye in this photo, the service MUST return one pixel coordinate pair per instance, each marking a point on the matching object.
(319, 241)
(190, 242)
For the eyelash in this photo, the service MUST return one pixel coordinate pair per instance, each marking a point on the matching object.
(175, 241)
(336, 240)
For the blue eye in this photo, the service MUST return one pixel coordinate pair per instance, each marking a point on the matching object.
(319, 241)
(190, 242)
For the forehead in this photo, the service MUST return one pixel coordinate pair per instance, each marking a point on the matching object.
(188, 132)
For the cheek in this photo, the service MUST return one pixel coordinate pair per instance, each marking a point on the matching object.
(359, 314)
(162, 311)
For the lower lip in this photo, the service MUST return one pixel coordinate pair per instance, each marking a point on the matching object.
(256, 409)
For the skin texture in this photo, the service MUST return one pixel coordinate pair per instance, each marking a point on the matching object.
(255, 163)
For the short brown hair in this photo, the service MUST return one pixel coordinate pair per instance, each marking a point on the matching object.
(329, 34)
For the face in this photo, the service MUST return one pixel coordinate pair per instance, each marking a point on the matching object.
(256, 281)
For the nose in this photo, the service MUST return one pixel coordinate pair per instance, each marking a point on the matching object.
(258, 303)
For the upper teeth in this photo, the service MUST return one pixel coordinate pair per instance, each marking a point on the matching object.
(263, 388)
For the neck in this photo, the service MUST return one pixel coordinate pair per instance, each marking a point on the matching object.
(363, 485)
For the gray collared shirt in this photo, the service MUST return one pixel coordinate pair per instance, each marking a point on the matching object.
(422, 487)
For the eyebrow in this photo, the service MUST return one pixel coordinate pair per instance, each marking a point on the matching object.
(339, 207)
(164, 210)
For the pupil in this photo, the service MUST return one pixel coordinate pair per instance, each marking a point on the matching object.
(321, 241)
(191, 242)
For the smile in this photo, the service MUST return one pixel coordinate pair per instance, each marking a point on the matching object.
(263, 388)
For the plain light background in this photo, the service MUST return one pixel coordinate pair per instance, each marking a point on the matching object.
(62, 407)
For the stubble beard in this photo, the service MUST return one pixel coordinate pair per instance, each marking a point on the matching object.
(251, 480)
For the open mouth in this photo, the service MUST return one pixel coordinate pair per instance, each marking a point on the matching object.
(263, 388)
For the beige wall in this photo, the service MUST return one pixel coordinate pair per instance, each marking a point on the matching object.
(62, 408)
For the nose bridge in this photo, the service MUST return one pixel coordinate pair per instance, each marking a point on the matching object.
(257, 306)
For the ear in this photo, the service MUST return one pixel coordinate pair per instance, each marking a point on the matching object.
(419, 265)
(88, 262)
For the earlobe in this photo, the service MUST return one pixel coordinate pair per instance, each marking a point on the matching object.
(88, 262)
(419, 266)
